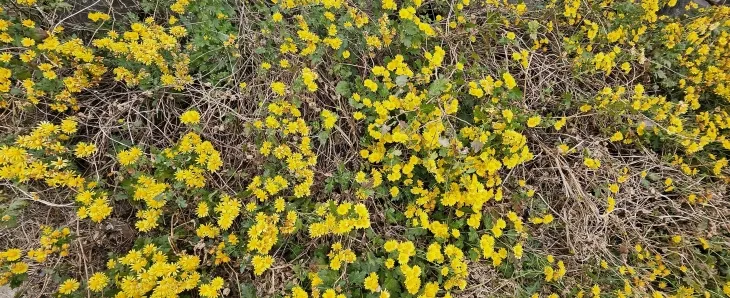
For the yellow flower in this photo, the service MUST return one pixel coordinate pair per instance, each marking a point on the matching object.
(23, 2)
(563, 149)
(704, 242)
(99, 210)
(391, 245)
(370, 84)
(130, 156)
(548, 218)
(509, 81)
(610, 204)
(596, 291)
(394, 191)
(498, 227)
(27, 42)
(97, 16)
(592, 163)
(534, 121)
(202, 210)
(328, 119)
(28, 23)
(190, 117)
(309, 78)
(261, 263)
(517, 249)
(389, 5)
(84, 149)
(18, 268)
(279, 205)
(549, 273)
(433, 253)
(211, 289)
(278, 88)
(412, 278)
(298, 292)
(68, 286)
(371, 282)
(5, 57)
(228, 209)
(626, 67)
(98, 282)
(508, 115)
(618, 136)
(613, 187)
(12, 254)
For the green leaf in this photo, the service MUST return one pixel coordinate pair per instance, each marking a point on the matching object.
(474, 254)
(323, 136)
(248, 291)
(401, 80)
(343, 89)
(358, 277)
(181, 202)
(428, 108)
(437, 87)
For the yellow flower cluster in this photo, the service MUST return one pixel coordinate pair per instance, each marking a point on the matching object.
(149, 272)
(151, 192)
(206, 157)
(407, 128)
(154, 193)
(262, 236)
(228, 209)
(285, 125)
(148, 44)
(45, 57)
(309, 78)
(339, 219)
(51, 241)
(551, 274)
(338, 256)
(130, 156)
(261, 263)
(694, 134)
(11, 264)
(30, 159)
(409, 13)
(455, 270)
(84, 149)
(328, 119)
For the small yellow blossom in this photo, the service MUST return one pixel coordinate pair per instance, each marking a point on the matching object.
(190, 117)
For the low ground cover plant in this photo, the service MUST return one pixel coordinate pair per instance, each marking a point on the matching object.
(332, 148)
